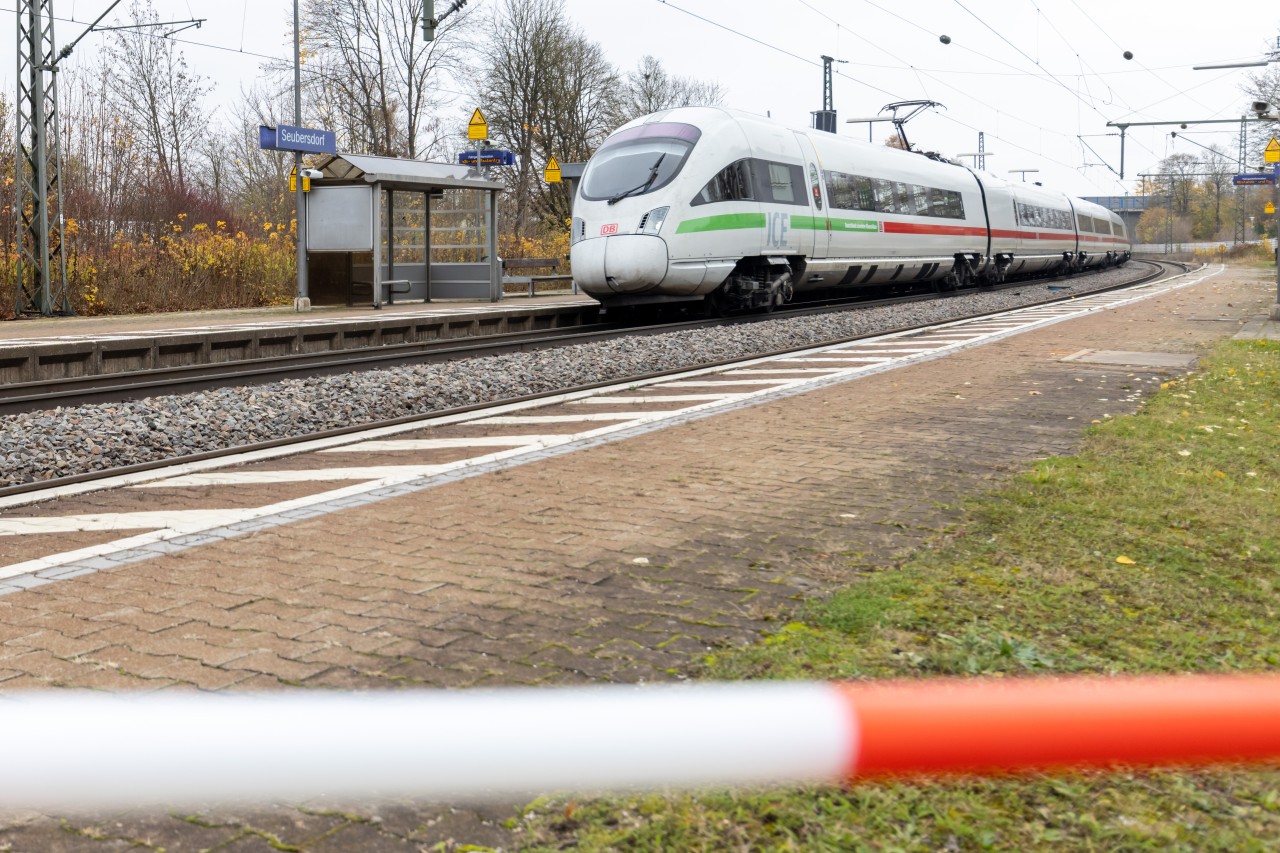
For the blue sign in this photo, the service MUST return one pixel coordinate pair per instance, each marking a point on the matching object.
(1251, 179)
(488, 157)
(304, 139)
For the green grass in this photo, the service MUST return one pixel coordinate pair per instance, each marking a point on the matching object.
(1156, 549)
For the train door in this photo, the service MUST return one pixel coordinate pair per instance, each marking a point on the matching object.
(816, 225)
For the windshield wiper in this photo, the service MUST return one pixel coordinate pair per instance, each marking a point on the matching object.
(653, 176)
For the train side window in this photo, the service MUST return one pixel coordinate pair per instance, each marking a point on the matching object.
(937, 202)
(840, 190)
(780, 183)
(1082, 222)
(884, 195)
(732, 183)
(866, 193)
(953, 204)
(919, 200)
(780, 186)
(902, 198)
(850, 192)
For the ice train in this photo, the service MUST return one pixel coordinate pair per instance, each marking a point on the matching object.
(703, 204)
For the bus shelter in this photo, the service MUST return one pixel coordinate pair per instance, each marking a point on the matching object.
(389, 229)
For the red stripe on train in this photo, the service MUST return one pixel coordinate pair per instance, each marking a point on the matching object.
(968, 231)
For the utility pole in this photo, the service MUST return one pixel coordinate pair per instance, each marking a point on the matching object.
(302, 299)
(41, 262)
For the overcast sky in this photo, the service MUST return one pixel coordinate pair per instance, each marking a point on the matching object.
(1033, 75)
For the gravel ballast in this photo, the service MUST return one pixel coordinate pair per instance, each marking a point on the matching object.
(62, 442)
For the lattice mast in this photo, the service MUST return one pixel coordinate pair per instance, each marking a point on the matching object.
(41, 266)
(1239, 235)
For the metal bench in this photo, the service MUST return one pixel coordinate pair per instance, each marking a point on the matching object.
(520, 264)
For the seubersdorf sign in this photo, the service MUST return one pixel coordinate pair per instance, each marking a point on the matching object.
(307, 140)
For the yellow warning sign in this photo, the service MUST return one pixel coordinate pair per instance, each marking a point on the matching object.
(551, 174)
(477, 128)
(293, 181)
(1270, 208)
(1272, 152)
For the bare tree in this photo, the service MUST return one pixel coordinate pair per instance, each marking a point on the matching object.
(102, 172)
(369, 73)
(578, 114)
(1264, 86)
(650, 88)
(528, 43)
(1177, 179)
(256, 180)
(160, 99)
(1218, 170)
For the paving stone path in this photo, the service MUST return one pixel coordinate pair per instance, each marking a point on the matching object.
(624, 563)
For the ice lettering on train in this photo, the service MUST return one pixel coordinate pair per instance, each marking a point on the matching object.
(778, 226)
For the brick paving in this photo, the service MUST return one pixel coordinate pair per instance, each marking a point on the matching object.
(622, 563)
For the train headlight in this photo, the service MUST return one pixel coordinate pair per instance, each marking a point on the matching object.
(651, 222)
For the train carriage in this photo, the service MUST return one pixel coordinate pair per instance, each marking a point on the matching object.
(737, 211)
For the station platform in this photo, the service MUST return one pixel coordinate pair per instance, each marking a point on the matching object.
(48, 348)
(623, 562)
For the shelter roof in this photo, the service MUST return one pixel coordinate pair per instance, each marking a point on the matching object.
(401, 174)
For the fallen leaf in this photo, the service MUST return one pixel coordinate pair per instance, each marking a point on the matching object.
(1124, 561)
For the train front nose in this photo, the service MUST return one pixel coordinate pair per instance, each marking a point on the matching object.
(620, 263)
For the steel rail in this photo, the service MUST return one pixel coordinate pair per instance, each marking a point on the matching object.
(17, 398)
(89, 476)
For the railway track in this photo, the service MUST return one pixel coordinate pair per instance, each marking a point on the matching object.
(32, 396)
(15, 493)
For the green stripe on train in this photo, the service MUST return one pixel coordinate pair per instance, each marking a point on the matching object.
(724, 222)
(729, 221)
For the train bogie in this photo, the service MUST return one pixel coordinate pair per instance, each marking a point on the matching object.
(707, 204)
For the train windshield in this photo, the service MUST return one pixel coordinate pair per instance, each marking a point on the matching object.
(638, 160)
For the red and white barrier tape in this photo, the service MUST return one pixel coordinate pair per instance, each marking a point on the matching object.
(71, 750)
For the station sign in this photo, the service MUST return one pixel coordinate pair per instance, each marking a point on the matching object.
(1253, 179)
(478, 127)
(488, 157)
(1271, 154)
(306, 140)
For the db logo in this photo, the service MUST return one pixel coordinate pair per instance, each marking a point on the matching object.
(606, 230)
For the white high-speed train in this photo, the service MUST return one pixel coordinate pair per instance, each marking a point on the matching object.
(737, 211)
